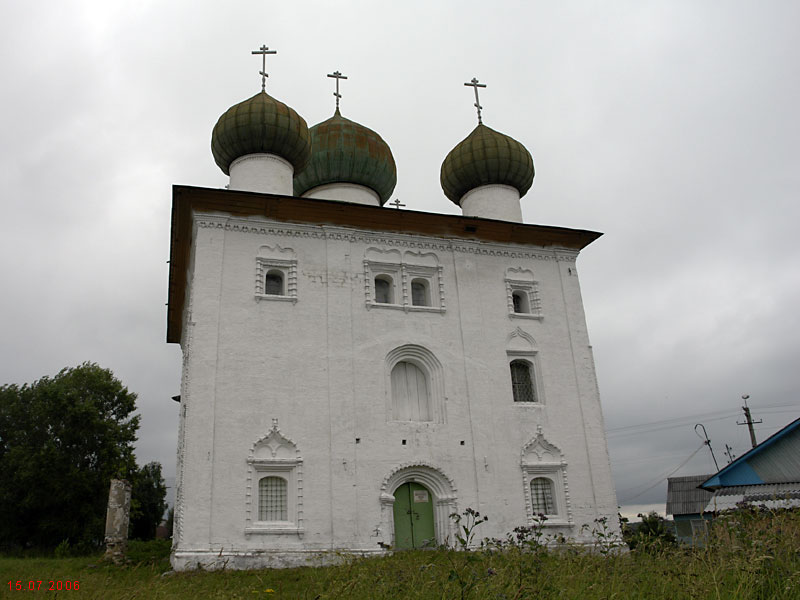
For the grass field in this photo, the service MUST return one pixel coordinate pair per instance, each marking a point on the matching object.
(752, 555)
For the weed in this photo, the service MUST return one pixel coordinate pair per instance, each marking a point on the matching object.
(750, 554)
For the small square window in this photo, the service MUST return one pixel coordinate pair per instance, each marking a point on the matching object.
(521, 303)
(523, 294)
(273, 283)
(384, 289)
(420, 292)
(276, 274)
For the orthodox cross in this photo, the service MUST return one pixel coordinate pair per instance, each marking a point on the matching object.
(397, 204)
(263, 51)
(474, 83)
(337, 76)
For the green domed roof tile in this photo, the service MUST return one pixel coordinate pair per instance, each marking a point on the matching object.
(260, 124)
(486, 157)
(343, 151)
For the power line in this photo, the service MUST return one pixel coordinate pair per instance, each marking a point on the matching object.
(678, 421)
(674, 420)
(661, 479)
(684, 421)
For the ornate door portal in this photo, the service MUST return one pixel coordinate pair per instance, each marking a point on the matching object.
(413, 517)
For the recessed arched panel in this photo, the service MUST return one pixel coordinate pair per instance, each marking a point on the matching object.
(415, 386)
(411, 399)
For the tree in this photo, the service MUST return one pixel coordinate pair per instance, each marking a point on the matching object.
(62, 440)
(147, 501)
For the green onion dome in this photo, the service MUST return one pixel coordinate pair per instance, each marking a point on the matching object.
(260, 124)
(343, 151)
(486, 157)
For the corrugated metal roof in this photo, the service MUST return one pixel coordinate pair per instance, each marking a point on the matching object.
(684, 497)
(777, 458)
(781, 462)
(771, 495)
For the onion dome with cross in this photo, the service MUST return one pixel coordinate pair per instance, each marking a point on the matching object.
(349, 162)
(488, 172)
(261, 142)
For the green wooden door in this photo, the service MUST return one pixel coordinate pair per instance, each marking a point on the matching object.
(413, 516)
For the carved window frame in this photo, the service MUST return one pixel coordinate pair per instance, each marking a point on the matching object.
(433, 277)
(521, 280)
(540, 458)
(372, 271)
(275, 258)
(287, 466)
(403, 268)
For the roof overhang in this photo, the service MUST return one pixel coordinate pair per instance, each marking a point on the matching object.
(188, 200)
(728, 475)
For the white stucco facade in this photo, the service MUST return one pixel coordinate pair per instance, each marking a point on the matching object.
(298, 385)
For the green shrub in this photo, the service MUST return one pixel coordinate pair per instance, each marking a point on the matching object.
(63, 550)
(653, 534)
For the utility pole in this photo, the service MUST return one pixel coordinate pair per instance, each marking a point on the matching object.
(748, 420)
(729, 453)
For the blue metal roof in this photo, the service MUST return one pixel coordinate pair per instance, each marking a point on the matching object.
(775, 460)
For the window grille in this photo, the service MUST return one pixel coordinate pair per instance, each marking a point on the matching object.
(273, 283)
(542, 496)
(522, 382)
(272, 499)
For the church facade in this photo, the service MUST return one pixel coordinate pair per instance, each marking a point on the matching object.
(353, 374)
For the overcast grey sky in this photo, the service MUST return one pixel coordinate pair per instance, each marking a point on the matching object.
(672, 127)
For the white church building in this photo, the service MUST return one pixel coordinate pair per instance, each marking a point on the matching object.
(354, 373)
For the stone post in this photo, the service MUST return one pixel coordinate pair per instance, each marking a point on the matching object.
(119, 509)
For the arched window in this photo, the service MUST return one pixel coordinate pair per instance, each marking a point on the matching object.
(420, 295)
(272, 499)
(384, 292)
(542, 496)
(522, 381)
(521, 304)
(273, 283)
(411, 399)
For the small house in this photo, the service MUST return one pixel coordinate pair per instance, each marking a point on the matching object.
(687, 503)
(769, 474)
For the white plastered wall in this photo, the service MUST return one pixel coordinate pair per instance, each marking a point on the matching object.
(317, 365)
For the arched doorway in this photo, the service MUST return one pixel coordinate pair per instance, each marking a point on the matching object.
(413, 517)
(397, 497)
